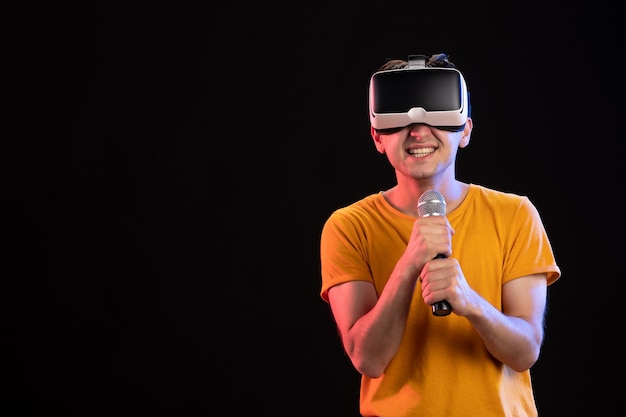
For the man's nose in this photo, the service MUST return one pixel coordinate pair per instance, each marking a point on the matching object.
(419, 129)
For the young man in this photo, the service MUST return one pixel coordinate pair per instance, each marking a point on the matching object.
(387, 266)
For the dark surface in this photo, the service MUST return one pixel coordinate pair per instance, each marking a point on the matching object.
(173, 169)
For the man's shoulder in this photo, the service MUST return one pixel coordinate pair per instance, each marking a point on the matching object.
(499, 201)
(360, 211)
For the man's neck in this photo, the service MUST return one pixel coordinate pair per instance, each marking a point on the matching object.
(405, 199)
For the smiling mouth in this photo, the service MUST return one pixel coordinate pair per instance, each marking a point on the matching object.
(419, 153)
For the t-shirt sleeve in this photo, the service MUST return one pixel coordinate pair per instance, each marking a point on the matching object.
(530, 251)
(342, 252)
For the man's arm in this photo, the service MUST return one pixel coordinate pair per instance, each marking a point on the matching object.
(370, 328)
(514, 336)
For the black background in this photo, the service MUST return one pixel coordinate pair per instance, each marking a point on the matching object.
(173, 164)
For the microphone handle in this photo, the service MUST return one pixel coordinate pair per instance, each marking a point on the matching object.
(441, 308)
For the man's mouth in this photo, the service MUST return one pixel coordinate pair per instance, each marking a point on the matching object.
(418, 153)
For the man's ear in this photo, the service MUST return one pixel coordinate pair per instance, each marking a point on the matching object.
(377, 142)
(467, 133)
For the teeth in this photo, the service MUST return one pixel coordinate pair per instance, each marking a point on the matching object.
(421, 152)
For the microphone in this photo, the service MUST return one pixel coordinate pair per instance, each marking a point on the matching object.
(432, 203)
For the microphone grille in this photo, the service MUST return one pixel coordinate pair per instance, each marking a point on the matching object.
(431, 203)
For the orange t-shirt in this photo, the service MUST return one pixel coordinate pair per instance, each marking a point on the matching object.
(442, 367)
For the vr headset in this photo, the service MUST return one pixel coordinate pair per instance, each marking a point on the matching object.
(435, 96)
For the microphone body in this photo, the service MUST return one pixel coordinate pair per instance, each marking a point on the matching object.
(432, 203)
